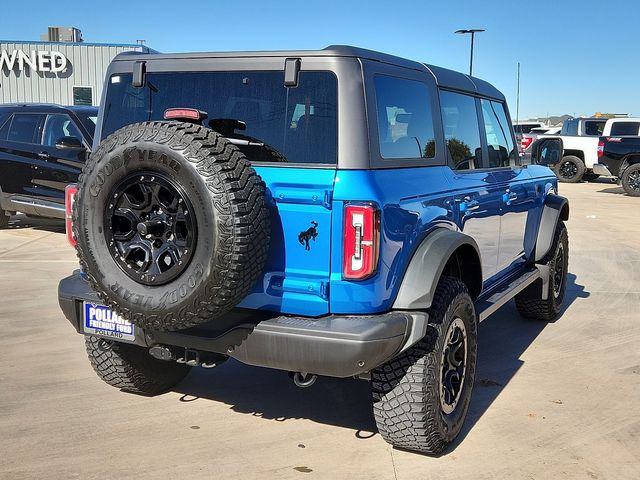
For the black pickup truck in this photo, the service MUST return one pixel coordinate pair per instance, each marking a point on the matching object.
(619, 158)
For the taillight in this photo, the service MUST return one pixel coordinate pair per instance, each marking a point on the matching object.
(184, 114)
(600, 148)
(361, 241)
(69, 198)
(525, 142)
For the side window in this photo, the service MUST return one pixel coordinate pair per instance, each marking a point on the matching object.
(570, 128)
(499, 141)
(405, 119)
(593, 128)
(24, 128)
(461, 130)
(58, 126)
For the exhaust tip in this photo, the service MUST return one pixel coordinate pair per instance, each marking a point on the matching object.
(304, 380)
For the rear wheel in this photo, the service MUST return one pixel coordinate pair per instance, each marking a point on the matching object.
(529, 302)
(4, 219)
(570, 169)
(131, 368)
(421, 398)
(631, 180)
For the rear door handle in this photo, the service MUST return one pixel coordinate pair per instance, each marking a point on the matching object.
(44, 155)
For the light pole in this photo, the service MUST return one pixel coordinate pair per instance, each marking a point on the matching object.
(473, 32)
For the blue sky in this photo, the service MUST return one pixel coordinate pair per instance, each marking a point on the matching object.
(577, 57)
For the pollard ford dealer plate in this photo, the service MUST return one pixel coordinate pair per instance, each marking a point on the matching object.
(100, 320)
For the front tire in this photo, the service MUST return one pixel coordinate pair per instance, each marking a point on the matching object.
(570, 169)
(130, 368)
(421, 397)
(529, 302)
(631, 180)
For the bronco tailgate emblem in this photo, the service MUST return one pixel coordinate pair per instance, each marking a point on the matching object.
(309, 234)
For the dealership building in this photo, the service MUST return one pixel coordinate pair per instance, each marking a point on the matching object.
(63, 69)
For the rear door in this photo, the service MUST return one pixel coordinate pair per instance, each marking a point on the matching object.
(477, 197)
(18, 153)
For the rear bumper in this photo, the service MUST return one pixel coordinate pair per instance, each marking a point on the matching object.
(601, 169)
(334, 345)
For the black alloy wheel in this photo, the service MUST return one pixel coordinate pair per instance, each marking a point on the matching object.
(634, 181)
(568, 169)
(558, 271)
(151, 228)
(453, 366)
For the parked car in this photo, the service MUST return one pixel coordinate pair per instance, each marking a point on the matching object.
(527, 139)
(619, 158)
(617, 127)
(339, 212)
(580, 139)
(42, 150)
(526, 127)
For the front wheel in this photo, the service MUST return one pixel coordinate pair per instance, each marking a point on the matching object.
(570, 169)
(529, 302)
(631, 180)
(131, 368)
(421, 397)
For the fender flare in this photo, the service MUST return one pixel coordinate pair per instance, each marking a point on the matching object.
(555, 208)
(421, 277)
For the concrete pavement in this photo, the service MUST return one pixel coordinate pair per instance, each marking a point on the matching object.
(551, 400)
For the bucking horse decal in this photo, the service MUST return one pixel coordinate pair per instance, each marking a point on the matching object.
(309, 234)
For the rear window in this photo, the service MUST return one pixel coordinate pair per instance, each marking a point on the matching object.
(266, 120)
(624, 128)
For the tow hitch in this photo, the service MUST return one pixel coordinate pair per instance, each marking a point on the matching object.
(188, 356)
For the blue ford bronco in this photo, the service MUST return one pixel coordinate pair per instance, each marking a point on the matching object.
(339, 212)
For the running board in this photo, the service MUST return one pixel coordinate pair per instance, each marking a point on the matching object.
(487, 306)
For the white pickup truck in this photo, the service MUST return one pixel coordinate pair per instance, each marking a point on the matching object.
(580, 139)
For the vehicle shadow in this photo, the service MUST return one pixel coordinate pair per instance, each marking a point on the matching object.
(618, 190)
(502, 339)
(21, 221)
(270, 394)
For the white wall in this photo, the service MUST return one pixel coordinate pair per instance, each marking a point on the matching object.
(86, 66)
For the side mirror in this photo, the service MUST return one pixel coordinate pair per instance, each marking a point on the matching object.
(546, 151)
(69, 143)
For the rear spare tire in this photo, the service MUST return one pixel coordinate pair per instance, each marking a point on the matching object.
(171, 223)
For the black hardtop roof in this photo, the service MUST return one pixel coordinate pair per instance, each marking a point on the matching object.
(444, 77)
(47, 107)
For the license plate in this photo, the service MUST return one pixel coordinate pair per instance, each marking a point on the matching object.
(101, 321)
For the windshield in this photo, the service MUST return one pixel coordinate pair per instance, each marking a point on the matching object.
(88, 120)
(266, 120)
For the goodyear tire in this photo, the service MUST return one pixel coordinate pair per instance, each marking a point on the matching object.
(131, 369)
(529, 302)
(171, 223)
(421, 398)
